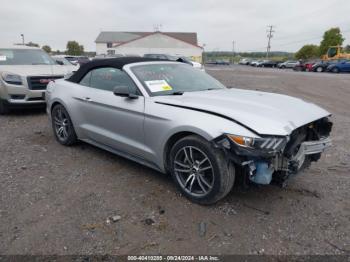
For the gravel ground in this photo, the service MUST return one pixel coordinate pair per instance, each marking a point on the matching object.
(61, 200)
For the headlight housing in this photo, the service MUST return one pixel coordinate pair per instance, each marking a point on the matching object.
(12, 79)
(262, 143)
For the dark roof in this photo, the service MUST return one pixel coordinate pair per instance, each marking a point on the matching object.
(109, 62)
(123, 37)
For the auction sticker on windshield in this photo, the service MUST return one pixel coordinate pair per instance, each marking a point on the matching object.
(2, 58)
(158, 86)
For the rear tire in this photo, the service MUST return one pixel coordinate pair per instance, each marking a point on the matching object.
(201, 172)
(4, 109)
(62, 126)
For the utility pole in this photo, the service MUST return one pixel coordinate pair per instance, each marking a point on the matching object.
(22, 35)
(233, 52)
(270, 32)
(203, 56)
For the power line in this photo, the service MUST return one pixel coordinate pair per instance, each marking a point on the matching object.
(295, 42)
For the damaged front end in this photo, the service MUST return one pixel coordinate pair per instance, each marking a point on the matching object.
(275, 158)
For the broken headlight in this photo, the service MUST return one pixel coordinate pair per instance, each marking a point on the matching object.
(261, 143)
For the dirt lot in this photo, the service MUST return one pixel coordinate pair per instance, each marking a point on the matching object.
(57, 200)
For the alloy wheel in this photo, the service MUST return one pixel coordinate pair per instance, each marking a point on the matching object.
(194, 171)
(61, 123)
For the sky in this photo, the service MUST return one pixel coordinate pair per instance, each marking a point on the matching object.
(217, 22)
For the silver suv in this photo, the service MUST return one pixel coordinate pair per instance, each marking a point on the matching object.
(288, 64)
(24, 75)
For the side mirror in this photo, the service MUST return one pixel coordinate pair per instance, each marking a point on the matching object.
(123, 91)
(59, 62)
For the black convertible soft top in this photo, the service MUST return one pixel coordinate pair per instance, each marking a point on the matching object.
(109, 62)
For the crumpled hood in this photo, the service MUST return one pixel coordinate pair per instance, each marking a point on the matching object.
(265, 113)
(35, 70)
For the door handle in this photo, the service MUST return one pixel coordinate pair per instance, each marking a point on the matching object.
(87, 99)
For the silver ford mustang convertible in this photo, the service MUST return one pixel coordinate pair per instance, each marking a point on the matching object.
(179, 120)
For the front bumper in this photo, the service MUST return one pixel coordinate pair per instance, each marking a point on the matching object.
(260, 165)
(310, 148)
(18, 95)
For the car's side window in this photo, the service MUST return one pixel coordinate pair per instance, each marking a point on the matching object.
(107, 78)
(86, 80)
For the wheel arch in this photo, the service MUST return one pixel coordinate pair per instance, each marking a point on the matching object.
(171, 142)
(58, 102)
(55, 104)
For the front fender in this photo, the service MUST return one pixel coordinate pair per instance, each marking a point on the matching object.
(163, 122)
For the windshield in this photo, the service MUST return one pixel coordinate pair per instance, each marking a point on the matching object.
(24, 57)
(167, 79)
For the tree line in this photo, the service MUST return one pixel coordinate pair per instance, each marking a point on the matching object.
(72, 48)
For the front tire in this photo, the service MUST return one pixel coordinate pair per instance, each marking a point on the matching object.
(335, 70)
(201, 172)
(62, 126)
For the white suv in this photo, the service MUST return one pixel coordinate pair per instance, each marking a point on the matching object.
(24, 75)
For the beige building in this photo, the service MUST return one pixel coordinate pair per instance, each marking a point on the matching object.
(140, 43)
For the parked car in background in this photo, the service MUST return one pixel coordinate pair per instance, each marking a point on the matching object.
(288, 64)
(195, 64)
(268, 63)
(78, 60)
(61, 60)
(218, 62)
(24, 75)
(222, 62)
(343, 66)
(159, 56)
(308, 66)
(182, 59)
(299, 67)
(259, 63)
(103, 56)
(244, 61)
(304, 66)
(226, 132)
(255, 62)
(322, 66)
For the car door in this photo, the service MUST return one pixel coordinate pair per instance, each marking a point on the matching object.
(111, 120)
